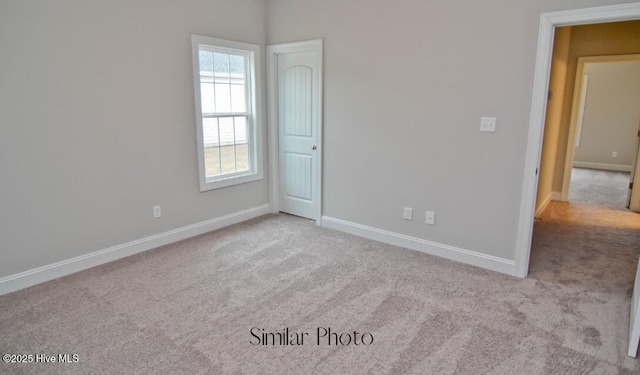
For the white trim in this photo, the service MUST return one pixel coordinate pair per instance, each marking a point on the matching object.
(602, 166)
(418, 244)
(273, 51)
(66, 267)
(252, 52)
(272, 131)
(634, 318)
(548, 23)
(581, 108)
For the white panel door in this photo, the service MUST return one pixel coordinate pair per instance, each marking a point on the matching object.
(298, 114)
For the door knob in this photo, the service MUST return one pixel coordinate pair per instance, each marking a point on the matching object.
(314, 147)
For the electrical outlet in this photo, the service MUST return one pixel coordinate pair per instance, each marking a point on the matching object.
(614, 154)
(431, 218)
(157, 212)
(488, 124)
(408, 213)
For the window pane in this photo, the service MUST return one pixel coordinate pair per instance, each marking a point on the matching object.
(226, 131)
(242, 157)
(206, 81)
(227, 145)
(210, 131)
(207, 97)
(241, 129)
(238, 103)
(242, 146)
(211, 147)
(212, 161)
(236, 65)
(222, 82)
(223, 97)
(221, 66)
(206, 61)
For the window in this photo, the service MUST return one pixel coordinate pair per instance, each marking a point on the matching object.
(226, 81)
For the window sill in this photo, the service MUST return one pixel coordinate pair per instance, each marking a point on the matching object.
(222, 182)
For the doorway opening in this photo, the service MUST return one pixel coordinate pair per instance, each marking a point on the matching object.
(549, 22)
(602, 144)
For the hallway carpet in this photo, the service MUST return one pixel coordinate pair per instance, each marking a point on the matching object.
(191, 308)
(603, 188)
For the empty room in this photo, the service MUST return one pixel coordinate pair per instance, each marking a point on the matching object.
(305, 187)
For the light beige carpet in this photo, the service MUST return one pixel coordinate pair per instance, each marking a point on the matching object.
(599, 187)
(188, 308)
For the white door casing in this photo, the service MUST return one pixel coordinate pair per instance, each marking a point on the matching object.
(633, 195)
(295, 128)
(548, 23)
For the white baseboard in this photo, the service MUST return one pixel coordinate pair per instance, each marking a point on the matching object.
(66, 267)
(603, 166)
(433, 248)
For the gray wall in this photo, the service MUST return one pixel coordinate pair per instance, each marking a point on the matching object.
(97, 116)
(611, 114)
(97, 123)
(443, 64)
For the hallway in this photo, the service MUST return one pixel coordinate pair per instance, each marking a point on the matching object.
(591, 241)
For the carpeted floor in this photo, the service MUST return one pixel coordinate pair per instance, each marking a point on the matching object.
(603, 188)
(190, 307)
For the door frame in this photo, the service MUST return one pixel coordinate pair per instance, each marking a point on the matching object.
(273, 133)
(577, 109)
(548, 23)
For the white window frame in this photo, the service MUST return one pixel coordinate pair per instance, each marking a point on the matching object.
(254, 119)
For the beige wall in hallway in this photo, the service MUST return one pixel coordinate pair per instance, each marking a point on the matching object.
(611, 115)
(557, 83)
